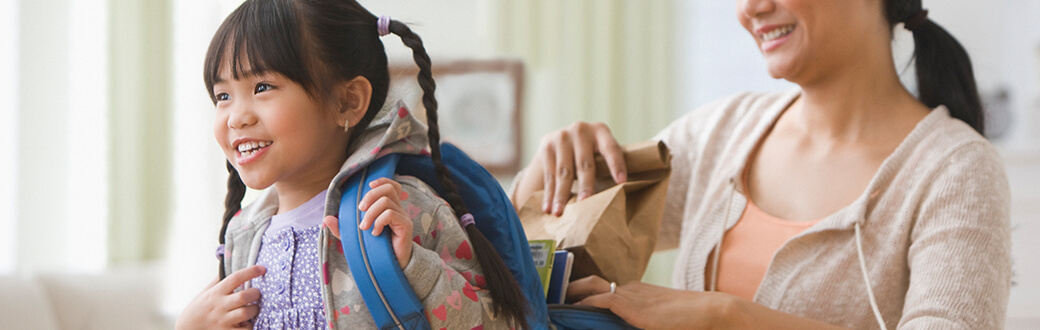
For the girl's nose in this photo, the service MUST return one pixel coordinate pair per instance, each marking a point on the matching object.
(241, 116)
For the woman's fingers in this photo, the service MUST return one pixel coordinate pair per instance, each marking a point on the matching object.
(584, 158)
(588, 286)
(612, 154)
(564, 173)
(549, 176)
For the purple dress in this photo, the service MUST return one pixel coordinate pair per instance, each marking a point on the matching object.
(290, 296)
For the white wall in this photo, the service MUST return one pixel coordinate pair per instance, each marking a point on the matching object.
(8, 131)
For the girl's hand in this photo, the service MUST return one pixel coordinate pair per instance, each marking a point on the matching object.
(382, 207)
(649, 306)
(220, 307)
(565, 155)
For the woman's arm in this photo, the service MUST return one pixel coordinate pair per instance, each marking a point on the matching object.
(960, 246)
(653, 307)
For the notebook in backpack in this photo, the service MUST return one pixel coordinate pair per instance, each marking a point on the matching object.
(389, 296)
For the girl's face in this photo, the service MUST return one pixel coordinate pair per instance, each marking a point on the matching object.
(802, 39)
(273, 131)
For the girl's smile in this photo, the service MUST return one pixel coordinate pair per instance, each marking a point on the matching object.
(249, 149)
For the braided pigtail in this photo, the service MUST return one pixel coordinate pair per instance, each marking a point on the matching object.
(504, 290)
(232, 204)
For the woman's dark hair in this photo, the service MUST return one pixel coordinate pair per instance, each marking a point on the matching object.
(317, 44)
(944, 72)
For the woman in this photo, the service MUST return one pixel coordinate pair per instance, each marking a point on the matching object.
(845, 203)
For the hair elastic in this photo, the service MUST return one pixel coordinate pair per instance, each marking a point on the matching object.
(220, 252)
(383, 25)
(915, 20)
(466, 220)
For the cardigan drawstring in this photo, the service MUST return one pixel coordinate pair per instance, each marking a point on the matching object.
(866, 279)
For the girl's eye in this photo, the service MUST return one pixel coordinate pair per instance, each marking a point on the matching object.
(262, 87)
(223, 97)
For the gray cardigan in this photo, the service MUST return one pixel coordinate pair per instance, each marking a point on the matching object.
(935, 223)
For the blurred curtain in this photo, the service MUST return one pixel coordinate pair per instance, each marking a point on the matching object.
(593, 60)
(612, 61)
(86, 134)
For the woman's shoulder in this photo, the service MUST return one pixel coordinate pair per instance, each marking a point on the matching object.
(944, 140)
(944, 153)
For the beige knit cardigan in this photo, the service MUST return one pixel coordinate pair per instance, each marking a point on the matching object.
(934, 220)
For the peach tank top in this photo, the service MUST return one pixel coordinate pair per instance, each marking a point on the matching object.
(748, 248)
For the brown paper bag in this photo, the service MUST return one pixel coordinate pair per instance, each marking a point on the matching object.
(613, 232)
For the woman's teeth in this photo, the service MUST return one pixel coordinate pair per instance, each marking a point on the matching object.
(249, 148)
(779, 32)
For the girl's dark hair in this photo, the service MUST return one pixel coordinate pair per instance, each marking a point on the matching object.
(317, 44)
(944, 72)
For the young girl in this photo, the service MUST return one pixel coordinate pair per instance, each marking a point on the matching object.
(300, 88)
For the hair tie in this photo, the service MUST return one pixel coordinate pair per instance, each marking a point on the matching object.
(220, 252)
(383, 25)
(916, 20)
(466, 220)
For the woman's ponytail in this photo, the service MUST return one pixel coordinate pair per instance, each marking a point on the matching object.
(944, 70)
(502, 286)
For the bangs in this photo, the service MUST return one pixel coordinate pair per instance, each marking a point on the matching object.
(250, 43)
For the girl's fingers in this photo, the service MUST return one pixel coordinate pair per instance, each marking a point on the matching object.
(238, 278)
(244, 297)
(242, 314)
(384, 181)
(332, 222)
(391, 218)
(377, 192)
(378, 207)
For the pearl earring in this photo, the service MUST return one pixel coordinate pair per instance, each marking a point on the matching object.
(346, 125)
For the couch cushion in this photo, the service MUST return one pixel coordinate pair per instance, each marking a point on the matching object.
(117, 299)
(24, 304)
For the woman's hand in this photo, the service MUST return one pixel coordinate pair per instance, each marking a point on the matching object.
(220, 307)
(649, 306)
(382, 207)
(565, 155)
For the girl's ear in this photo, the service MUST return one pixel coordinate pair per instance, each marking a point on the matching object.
(354, 97)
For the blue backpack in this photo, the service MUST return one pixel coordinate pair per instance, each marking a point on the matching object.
(389, 297)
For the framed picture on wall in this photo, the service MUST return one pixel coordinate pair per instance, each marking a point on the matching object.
(478, 107)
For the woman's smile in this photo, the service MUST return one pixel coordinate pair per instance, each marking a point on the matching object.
(774, 36)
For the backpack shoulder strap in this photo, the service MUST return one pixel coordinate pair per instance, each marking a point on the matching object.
(494, 215)
(371, 259)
